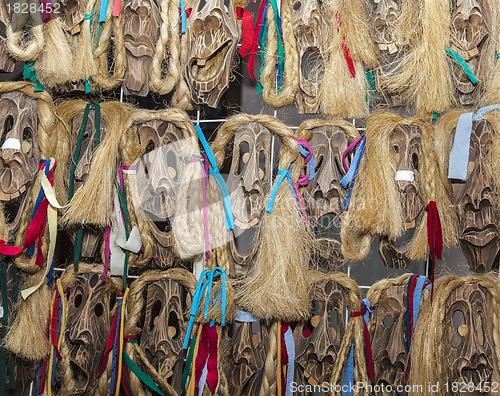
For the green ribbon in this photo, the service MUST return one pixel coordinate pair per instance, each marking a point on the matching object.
(263, 48)
(77, 248)
(187, 365)
(141, 374)
(29, 73)
(463, 65)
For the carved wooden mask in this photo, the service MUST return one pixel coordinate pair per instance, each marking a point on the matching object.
(249, 181)
(19, 165)
(213, 35)
(89, 322)
(165, 322)
(158, 180)
(389, 345)
(310, 27)
(140, 30)
(468, 342)
(383, 14)
(318, 340)
(91, 236)
(324, 195)
(470, 33)
(72, 14)
(245, 346)
(406, 142)
(478, 232)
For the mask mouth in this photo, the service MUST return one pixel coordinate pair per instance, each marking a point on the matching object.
(478, 376)
(480, 237)
(80, 377)
(206, 71)
(14, 207)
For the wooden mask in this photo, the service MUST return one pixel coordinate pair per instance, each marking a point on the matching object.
(324, 195)
(91, 235)
(90, 303)
(318, 340)
(158, 180)
(468, 342)
(250, 177)
(213, 35)
(165, 322)
(478, 231)
(471, 30)
(389, 344)
(245, 346)
(383, 14)
(72, 14)
(406, 143)
(140, 30)
(20, 154)
(310, 28)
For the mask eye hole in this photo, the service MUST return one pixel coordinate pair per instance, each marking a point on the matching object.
(244, 156)
(174, 331)
(155, 312)
(460, 328)
(414, 161)
(99, 310)
(388, 320)
(334, 323)
(297, 5)
(262, 164)
(7, 127)
(78, 300)
(395, 148)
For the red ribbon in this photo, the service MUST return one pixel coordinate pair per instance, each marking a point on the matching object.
(43, 377)
(255, 43)
(125, 382)
(410, 304)
(434, 235)
(247, 33)
(347, 53)
(207, 353)
(53, 326)
(109, 346)
(117, 6)
(368, 348)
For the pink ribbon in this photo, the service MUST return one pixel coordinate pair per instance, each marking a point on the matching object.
(351, 147)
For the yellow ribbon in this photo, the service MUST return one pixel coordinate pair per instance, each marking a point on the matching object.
(192, 384)
(51, 359)
(120, 344)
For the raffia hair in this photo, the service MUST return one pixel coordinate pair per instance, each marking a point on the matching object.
(375, 206)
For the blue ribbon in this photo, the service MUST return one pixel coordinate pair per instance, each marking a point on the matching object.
(459, 154)
(50, 274)
(416, 298)
(281, 176)
(218, 178)
(349, 374)
(205, 282)
(183, 18)
(312, 167)
(290, 349)
(350, 177)
(31, 250)
(104, 8)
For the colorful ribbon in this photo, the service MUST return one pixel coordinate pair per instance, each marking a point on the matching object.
(459, 154)
(29, 73)
(347, 52)
(218, 178)
(434, 236)
(259, 26)
(365, 312)
(350, 177)
(348, 150)
(306, 151)
(247, 32)
(347, 389)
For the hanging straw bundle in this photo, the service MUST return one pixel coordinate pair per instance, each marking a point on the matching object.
(276, 286)
(343, 86)
(375, 206)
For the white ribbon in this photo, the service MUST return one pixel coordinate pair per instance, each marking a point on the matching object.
(405, 175)
(11, 143)
(118, 241)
